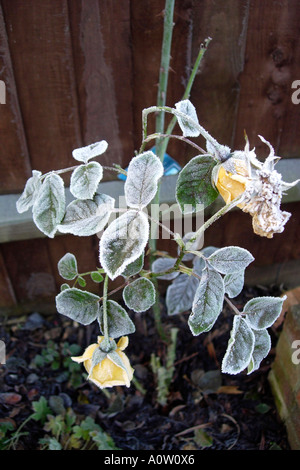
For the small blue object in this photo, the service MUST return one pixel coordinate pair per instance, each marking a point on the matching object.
(171, 167)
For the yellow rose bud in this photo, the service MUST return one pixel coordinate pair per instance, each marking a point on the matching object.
(231, 185)
(107, 373)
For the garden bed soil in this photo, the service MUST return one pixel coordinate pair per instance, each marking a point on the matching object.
(205, 409)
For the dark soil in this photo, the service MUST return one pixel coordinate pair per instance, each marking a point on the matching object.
(205, 409)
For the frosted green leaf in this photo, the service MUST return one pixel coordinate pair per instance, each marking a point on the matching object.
(84, 154)
(262, 312)
(208, 302)
(139, 295)
(161, 265)
(135, 267)
(67, 266)
(123, 242)
(194, 189)
(64, 287)
(28, 196)
(230, 259)
(190, 126)
(79, 305)
(85, 180)
(181, 293)
(262, 348)
(49, 206)
(143, 174)
(118, 320)
(234, 283)
(240, 347)
(87, 217)
(96, 276)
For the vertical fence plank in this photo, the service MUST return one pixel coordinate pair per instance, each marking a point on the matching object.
(147, 33)
(216, 90)
(272, 63)
(29, 269)
(15, 165)
(39, 41)
(7, 295)
(102, 58)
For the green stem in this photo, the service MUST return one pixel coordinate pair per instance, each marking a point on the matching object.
(106, 341)
(160, 123)
(215, 217)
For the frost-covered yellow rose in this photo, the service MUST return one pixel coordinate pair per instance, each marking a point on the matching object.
(107, 373)
(232, 184)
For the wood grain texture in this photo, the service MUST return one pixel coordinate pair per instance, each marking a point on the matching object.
(30, 270)
(7, 295)
(147, 33)
(216, 89)
(15, 164)
(40, 47)
(272, 63)
(102, 58)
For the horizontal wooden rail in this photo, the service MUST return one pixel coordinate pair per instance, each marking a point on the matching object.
(14, 226)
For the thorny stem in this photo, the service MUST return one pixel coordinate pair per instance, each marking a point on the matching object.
(232, 306)
(72, 168)
(106, 343)
(179, 137)
(215, 217)
(160, 123)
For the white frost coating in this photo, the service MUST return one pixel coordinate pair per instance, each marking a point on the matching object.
(139, 295)
(181, 293)
(84, 154)
(28, 196)
(118, 321)
(240, 347)
(262, 312)
(85, 179)
(262, 348)
(143, 174)
(163, 264)
(49, 206)
(208, 302)
(234, 283)
(67, 266)
(123, 242)
(188, 128)
(87, 217)
(230, 259)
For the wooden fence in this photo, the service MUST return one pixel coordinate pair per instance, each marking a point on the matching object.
(77, 71)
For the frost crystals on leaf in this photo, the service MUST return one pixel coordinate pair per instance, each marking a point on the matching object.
(119, 322)
(143, 174)
(84, 154)
(67, 266)
(123, 242)
(240, 347)
(208, 302)
(79, 305)
(190, 124)
(87, 217)
(262, 312)
(139, 295)
(49, 206)
(27, 198)
(85, 180)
